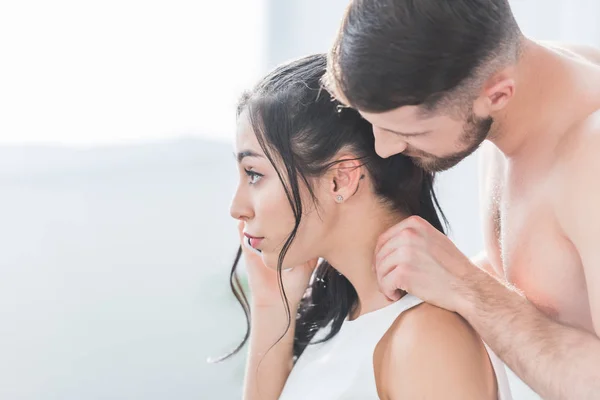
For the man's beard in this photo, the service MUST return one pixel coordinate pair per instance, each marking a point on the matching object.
(475, 132)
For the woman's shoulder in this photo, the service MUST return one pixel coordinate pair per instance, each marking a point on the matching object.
(426, 330)
(426, 346)
(427, 324)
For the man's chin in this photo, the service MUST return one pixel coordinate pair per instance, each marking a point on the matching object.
(434, 164)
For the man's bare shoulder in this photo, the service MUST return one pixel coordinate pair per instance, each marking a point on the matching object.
(581, 143)
(587, 52)
(577, 162)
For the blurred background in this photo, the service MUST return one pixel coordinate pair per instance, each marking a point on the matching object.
(116, 124)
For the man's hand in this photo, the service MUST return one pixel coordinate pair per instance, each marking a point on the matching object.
(415, 257)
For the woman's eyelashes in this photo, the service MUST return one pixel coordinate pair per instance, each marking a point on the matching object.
(254, 176)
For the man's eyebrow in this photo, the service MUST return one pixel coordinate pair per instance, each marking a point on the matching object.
(404, 133)
(246, 153)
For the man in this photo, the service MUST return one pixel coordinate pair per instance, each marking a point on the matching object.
(436, 79)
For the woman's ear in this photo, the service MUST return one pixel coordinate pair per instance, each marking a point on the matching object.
(346, 175)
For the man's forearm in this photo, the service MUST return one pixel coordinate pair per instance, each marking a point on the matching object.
(269, 361)
(557, 361)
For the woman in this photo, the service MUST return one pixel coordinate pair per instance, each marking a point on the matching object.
(311, 187)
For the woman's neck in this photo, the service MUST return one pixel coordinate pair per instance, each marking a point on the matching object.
(352, 253)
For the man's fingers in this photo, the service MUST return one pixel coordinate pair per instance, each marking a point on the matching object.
(404, 242)
(392, 274)
(387, 249)
(414, 222)
(387, 235)
(386, 265)
(390, 286)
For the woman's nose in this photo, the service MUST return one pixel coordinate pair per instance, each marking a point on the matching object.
(240, 208)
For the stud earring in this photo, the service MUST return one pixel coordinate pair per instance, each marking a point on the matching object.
(339, 198)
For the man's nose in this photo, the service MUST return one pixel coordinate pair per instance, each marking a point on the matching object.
(384, 147)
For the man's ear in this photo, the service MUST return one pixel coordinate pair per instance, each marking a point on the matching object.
(496, 93)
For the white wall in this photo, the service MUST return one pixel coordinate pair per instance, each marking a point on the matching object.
(562, 20)
(108, 72)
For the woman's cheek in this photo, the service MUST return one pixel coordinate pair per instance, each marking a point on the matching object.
(276, 219)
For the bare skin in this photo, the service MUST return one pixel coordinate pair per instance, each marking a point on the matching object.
(540, 203)
(525, 200)
(428, 344)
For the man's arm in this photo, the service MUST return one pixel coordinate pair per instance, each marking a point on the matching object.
(557, 361)
(482, 261)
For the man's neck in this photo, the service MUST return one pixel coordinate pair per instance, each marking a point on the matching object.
(539, 110)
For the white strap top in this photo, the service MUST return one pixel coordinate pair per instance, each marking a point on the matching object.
(342, 367)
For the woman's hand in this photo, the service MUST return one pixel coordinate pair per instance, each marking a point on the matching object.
(270, 357)
(264, 283)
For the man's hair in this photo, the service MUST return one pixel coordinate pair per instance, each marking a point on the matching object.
(393, 53)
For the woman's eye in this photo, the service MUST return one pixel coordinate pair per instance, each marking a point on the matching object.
(254, 176)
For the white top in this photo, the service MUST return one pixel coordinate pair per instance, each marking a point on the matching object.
(342, 367)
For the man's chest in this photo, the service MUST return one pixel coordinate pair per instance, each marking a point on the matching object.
(536, 256)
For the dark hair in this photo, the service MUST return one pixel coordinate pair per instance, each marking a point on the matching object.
(298, 123)
(393, 53)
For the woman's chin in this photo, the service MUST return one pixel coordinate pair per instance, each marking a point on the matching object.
(271, 260)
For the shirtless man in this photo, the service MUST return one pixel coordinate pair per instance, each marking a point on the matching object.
(436, 79)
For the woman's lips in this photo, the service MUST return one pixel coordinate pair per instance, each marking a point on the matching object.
(253, 241)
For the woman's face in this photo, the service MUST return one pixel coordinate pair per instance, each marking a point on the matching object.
(261, 203)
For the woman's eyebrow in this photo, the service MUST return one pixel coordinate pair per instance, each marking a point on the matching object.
(246, 153)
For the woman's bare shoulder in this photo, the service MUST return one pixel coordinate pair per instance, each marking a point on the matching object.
(433, 353)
